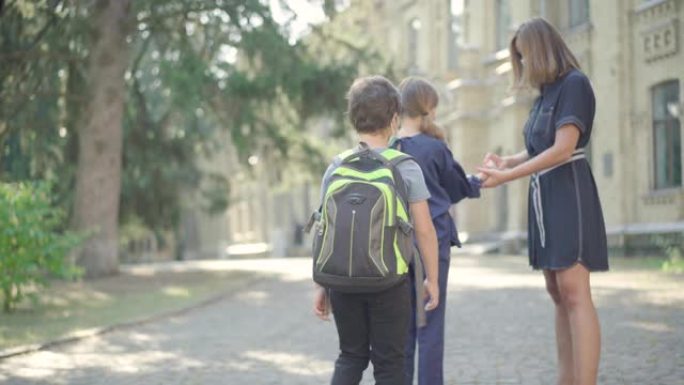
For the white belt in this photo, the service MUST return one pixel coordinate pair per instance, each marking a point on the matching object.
(536, 192)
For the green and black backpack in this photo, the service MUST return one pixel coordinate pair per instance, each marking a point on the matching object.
(363, 240)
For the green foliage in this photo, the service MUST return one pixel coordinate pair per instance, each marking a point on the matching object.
(217, 76)
(672, 247)
(31, 247)
(42, 51)
(205, 76)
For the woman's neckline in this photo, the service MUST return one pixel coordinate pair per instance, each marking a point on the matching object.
(558, 80)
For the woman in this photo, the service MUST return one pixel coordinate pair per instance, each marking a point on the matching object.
(567, 238)
(448, 184)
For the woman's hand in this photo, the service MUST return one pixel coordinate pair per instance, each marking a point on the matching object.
(320, 304)
(494, 161)
(494, 177)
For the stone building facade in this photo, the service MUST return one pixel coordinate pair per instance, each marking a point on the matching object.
(630, 49)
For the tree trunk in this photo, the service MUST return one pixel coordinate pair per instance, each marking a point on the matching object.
(98, 175)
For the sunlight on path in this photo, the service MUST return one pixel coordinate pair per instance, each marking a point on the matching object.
(499, 331)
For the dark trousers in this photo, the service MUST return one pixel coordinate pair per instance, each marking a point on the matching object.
(372, 326)
(430, 339)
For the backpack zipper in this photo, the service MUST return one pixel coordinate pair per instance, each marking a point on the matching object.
(351, 242)
(382, 246)
(387, 191)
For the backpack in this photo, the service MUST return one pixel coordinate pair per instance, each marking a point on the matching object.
(363, 240)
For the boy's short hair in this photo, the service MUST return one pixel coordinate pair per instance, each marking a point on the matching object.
(372, 103)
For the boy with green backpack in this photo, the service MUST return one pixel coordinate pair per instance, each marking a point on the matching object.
(373, 200)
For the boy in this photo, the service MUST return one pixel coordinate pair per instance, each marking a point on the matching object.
(374, 326)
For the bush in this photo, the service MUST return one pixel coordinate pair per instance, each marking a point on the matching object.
(32, 248)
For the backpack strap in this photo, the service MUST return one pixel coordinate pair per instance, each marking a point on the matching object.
(395, 143)
(316, 215)
(396, 157)
(338, 160)
(363, 150)
(389, 157)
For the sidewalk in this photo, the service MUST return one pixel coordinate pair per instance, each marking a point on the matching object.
(500, 331)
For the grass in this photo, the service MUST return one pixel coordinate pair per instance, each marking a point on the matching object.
(673, 265)
(66, 307)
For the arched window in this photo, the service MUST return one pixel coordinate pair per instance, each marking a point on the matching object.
(455, 30)
(412, 49)
(578, 12)
(667, 137)
(503, 23)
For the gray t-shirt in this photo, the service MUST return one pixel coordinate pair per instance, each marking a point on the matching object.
(410, 171)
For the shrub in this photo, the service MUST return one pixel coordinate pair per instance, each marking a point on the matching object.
(32, 247)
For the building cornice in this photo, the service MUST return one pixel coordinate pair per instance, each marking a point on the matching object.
(655, 7)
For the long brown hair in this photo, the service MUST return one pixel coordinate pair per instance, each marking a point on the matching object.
(545, 54)
(418, 98)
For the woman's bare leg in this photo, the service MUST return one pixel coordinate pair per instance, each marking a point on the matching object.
(575, 293)
(563, 336)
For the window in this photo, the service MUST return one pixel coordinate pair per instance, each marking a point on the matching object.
(503, 23)
(455, 32)
(412, 53)
(579, 12)
(667, 139)
(542, 9)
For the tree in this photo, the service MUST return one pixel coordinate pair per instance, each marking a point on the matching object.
(93, 94)
(100, 133)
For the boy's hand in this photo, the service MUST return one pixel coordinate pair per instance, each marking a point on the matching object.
(431, 292)
(320, 304)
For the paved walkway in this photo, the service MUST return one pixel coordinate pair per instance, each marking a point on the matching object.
(499, 332)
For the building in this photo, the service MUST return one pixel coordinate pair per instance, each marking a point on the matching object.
(630, 49)
(631, 52)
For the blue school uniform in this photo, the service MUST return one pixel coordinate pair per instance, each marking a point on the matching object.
(448, 184)
(565, 223)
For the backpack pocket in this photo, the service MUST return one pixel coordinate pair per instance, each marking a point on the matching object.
(378, 244)
(354, 241)
(317, 241)
(404, 236)
(324, 239)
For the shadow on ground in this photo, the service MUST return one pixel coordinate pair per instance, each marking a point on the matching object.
(499, 332)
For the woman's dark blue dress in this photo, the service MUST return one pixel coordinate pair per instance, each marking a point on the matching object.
(567, 225)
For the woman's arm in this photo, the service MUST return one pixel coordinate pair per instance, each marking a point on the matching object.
(519, 158)
(427, 244)
(562, 149)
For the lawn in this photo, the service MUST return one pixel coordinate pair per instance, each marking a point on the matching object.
(67, 307)
(665, 264)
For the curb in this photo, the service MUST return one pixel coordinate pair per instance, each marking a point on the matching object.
(93, 332)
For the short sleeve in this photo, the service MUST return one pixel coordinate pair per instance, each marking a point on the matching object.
(576, 103)
(414, 180)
